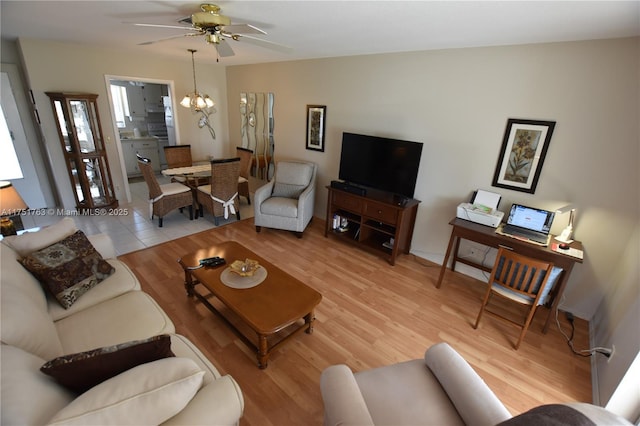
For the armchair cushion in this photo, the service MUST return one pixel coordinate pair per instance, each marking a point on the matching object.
(291, 179)
(294, 173)
(147, 394)
(278, 206)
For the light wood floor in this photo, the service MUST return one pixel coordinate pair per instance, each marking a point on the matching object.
(372, 314)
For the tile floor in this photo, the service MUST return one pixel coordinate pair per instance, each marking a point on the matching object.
(133, 230)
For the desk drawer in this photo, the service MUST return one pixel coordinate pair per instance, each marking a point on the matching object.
(381, 212)
(347, 202)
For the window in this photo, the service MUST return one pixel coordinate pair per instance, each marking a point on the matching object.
(120, 104)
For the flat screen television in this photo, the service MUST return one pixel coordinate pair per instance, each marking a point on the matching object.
(381, 163)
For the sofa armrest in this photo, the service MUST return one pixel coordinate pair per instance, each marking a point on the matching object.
(475, 401)
(103, 244)
(220, 402)
(343, 401)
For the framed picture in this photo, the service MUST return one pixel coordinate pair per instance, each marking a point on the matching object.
(522, 154)
(315, 126)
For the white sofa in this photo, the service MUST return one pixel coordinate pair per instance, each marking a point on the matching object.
(35, 328)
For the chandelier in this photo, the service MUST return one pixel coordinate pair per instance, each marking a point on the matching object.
(196, 100)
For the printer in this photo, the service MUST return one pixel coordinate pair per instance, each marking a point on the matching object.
(482, 209)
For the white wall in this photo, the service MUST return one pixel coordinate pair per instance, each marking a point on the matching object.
(52, 66)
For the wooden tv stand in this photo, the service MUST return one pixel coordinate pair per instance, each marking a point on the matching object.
(374, 219)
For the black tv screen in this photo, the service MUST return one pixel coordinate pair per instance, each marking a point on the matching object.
(381, 163)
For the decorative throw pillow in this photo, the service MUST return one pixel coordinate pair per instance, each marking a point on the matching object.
(68, 268)
(82, 371)
(551, 415)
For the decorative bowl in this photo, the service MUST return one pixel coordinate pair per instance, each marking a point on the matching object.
(244, 268)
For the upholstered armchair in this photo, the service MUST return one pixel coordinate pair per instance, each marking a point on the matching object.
(287, 201)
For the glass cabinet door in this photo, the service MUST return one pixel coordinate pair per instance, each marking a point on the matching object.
(80, 134)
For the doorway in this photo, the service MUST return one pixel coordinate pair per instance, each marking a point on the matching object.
(143, 122)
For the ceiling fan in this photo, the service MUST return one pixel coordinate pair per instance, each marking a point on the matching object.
(217, 30)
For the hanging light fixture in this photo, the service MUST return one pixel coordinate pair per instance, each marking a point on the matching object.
(196, 100)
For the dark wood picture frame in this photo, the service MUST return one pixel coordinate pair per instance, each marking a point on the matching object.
(316, 124)
(522, 155)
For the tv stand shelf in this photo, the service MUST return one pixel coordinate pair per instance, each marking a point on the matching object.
(374, 219)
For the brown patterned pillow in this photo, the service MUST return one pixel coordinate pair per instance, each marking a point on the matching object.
(82, 371)
(68, 268)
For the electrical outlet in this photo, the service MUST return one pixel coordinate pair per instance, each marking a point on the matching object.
(613, 351)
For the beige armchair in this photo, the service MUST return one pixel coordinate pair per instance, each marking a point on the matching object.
(441, 389)
(287, 201)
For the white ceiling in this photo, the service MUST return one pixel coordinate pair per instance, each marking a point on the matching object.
(317, 29)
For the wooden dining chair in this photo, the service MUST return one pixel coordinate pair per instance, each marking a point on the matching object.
(245, 156)
(180, 156)
(166, 197)
(520, 279)
(220, 197)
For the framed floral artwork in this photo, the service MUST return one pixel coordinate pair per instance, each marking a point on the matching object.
(524, 147)
(315, 127)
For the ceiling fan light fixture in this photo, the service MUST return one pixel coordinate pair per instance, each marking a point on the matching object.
(213, 38)
(209, 17)
(196, 100)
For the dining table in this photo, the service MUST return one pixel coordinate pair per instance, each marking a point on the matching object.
(194, 175)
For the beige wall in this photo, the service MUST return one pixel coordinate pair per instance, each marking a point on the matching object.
(457, 102)
(64, 67)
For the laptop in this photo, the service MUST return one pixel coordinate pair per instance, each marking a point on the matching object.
(529, 223)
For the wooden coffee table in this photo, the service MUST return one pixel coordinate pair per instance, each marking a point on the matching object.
(278, 302)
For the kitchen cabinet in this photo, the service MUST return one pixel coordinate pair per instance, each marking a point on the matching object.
(153, 98)
(82, 142)
(146, 147)
(135, 97)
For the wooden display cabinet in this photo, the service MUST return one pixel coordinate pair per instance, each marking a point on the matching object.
(378, 221)
(83, 147)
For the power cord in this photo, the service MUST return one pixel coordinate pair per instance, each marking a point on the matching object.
(582, 352)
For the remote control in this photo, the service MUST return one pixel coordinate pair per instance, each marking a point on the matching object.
(212, 261)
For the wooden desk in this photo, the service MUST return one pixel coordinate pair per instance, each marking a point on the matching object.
(485, 235)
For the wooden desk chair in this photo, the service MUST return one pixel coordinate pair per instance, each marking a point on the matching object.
(220, 197)
(520, 279)
(245, 156)
(167, 197)
(180, 156)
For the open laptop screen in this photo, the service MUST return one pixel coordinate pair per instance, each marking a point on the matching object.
(530, 218)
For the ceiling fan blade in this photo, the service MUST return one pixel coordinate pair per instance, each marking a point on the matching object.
(178, 27)
(146, 43)
(242, 29)
(262, 43)
(224, 49)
